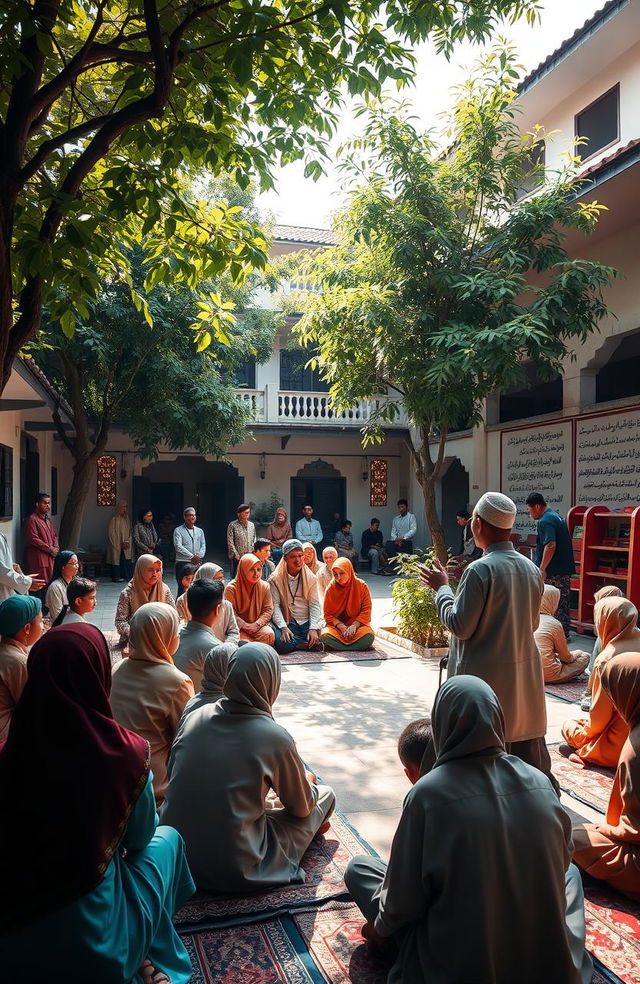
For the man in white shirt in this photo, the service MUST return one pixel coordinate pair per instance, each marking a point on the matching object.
(403, 530)
(189, 544)
(297, 615)
(308, 530)
(12, 580)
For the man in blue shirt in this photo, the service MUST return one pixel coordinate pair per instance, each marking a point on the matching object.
(554, 553)
(308, 529)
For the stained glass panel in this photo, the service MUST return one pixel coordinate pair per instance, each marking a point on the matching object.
(378, 482)
(106, 464)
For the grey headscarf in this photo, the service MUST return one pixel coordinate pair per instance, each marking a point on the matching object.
(208, 570)
(215, 670)
(253, 680)
(467, 720)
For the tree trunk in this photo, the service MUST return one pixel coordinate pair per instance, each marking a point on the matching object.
(73, 514)
(433, 520)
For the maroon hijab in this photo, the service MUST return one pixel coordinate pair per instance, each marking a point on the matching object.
(69, 777)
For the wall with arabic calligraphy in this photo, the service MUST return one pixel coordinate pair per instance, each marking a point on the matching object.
(537, 459)
(608, 459)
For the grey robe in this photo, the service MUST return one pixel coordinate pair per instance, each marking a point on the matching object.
(224, 762)
(475, 888)
(492, 620)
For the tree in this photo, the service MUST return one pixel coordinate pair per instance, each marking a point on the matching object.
(445, 282)
(151, 380)
(106, 104)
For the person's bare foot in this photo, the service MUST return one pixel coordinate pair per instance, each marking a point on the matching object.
(150, 975)
(576, 758)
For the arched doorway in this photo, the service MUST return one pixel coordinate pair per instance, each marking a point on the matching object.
(454, 487)
(213, 487)
(324, 488)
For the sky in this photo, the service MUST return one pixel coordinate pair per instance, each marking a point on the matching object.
(297, 200)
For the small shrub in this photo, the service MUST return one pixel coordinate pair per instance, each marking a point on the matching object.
(415, 604)
(264, 512)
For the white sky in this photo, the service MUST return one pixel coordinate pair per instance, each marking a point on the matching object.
(300, 201)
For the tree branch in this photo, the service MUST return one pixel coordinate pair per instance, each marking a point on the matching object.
(61, 431)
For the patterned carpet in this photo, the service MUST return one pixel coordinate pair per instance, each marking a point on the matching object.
(591, 786)
(324, 865)
(330, 656)
(613, 931)
(571, 691)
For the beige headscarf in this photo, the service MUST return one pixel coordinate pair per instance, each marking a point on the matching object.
(315, 564)
(153, 628)
(253, 680)
(550, 600)
(616, 621)
(141, 594)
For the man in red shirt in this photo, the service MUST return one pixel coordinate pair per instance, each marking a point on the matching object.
(41, 539)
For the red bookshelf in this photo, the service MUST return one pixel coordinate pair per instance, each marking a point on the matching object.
(609, 554)
(575, 524)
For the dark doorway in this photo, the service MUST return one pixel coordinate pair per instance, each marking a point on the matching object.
(455, 496)
(326, 495)
(216, 505)
(29, 474)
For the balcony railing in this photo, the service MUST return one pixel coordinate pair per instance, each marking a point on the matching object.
(310, 409)
(253, 401)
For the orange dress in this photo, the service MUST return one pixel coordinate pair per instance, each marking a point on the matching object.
(347, 603)
(611, 851)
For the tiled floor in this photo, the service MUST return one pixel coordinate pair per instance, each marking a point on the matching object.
(346, 718)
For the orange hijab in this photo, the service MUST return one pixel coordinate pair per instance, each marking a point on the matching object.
(248, 598)
(352, 599)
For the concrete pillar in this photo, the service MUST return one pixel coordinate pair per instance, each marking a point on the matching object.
(578, 390)
(271, 403)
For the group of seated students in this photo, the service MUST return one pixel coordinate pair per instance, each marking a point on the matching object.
(184, 726)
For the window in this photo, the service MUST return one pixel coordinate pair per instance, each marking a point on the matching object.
(54, 491)
(245, 375)
(106, 465)
(599, 124)
(620, 378)
(532, 170)
(537, 397)
(294, 375)
(378, 482)
(6, 481)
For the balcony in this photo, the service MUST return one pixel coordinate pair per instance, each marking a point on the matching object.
(309, 409)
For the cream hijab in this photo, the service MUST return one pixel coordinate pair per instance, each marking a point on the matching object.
(467, 720)
(209, 571)
(154, 628)
(253, 680)
(550, 600)
(141, 594)
(616, 621)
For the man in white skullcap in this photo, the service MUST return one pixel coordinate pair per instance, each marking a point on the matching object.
(492, 619)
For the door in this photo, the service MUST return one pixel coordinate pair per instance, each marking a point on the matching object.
(216, 505)
(141, 495)
(326, 495)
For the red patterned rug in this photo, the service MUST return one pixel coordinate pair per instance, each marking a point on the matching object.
(613, 930)
(331, 656)
(571, 691)
(324, 865)
(591, 785)
(332, 936)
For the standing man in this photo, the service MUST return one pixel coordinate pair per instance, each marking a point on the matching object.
(41, 540)
(241, 536)
(119, 543)
(492, 619)
(372, 547)
(12, 580)
(189, 544)
(308, 529)
(403, 530)
(554, 553)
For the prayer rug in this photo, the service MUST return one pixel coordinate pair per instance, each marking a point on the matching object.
(332, 935)
(324, 864)
(571, 691)
(113, 642)
(613, 931)
(591, 785)
(333, 656)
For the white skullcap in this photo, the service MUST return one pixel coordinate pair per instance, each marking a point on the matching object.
(497, 509)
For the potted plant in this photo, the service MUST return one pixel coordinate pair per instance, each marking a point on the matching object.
(263, 513)
(418, 627)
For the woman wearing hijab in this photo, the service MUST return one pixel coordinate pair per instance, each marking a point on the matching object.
(208, 571)
(65, 568)
(250, 598)
(310, 557)
(608, 591)
(145, 536)
(479, 885)
(611, 850)
(214, 673)
(598, 738)
(347, 610)
(227, 758)
(278, 532)
(149, 693)
(559, 663)
(145, 586)
(88, 895)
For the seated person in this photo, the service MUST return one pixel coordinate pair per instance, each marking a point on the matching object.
(463, 823)
(403, 530)
(608, 591)
(559, 663)
(187, 574)
(347, 610)
(324, 575)
(100, 906)
(65, 567)
(81, 599)
(310, 557)
(21, 625)
(279, 531)
(224, 763)
(211, 617)
(214, 673)
(262, 550)
(598, 738)
(145, 586)
(148, 693)
(372, 548)
(250, 598)
(343, 542)
(611, 850)
(413, 743)
(206, 572)
(297, 614)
